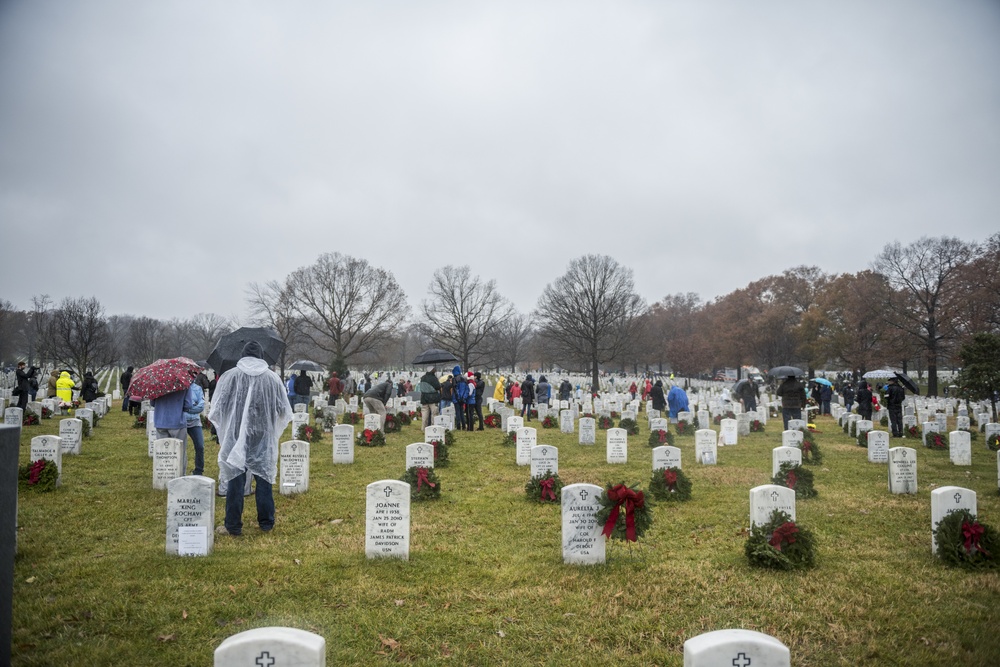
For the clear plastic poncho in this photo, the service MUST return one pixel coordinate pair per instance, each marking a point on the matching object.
(249, 410)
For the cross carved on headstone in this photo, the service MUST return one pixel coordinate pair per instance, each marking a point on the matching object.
(388, 492)
(958, 498)
(774, 496)
(265, 655)
(741, 660)
(583, 495)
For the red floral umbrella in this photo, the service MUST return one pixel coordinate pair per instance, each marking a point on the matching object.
(162, 377)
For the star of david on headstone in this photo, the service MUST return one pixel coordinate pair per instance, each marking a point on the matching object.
(958, 498)
(741, 660)
(584, 494)
(388, 492)
(265, 656)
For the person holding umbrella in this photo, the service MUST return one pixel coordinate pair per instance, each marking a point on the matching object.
(865, 400)
(894, 402)
(793, 398)
(430, 396)
(250, 410)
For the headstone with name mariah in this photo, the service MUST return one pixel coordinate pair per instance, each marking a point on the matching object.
(191, 516)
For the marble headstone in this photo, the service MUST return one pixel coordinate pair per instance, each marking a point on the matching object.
(272, 647)
(294, 459)
(48, 447)
(767, 498)
(960, 448)
(781, 455)
(617, 445)
(902, 470)
(947, 499)
(582, 541)
(544, 459)
(666, 456)
(419, 455)
(588, 431)
(71, 434)
(168, 461)
(878, 446)
(191, 516)
(741, 648)
(705, 446)
(343, 443)
(387, 519)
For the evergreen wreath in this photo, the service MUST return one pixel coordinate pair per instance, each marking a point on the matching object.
(40, 475)
(756, 426)
(695, 424)
(630, 426)
(847, 427)
(30, 419)
(308, 434)
(811, 455)
(670, 484)
(424, 483)
(625, 512)
(964, 542)
(780, 544)
(441, 451)
(509, 439)
(370, 438)
(863, 438)
(46, 413)
(350, 418)
(492, 421)
(544, 488)
(86, 427)
(403, 418)
(140, 422)
(391, 423)
(913, 431)
(604, 423)
(684, 427)
(937, 441)
(661, 437)
(550, 422)
(717, 420)
(797, 479)
(329, 421)
(993, 442)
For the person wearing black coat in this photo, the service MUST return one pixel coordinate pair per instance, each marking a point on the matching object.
(90, 389)
(480, 389)
(865, 401)
(125, 381)
(656, 395)
(527, 397)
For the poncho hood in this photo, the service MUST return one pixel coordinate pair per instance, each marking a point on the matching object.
(252, 365)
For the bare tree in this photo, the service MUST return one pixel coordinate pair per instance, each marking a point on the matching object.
(591, 312)
(202, 332)
(462, 312)
(145, 341)
(271, 305)
(928, 293)
(677, 334)
(347, 307)
(509, 341)
(78, 336)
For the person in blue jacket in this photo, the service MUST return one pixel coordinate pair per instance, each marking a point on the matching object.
(677, 399)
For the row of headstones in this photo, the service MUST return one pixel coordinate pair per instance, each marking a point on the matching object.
(277, 646)
(14, 416)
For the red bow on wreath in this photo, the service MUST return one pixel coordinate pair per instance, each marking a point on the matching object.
(791, 479)
(369, 434)
(546, 485)
(783, 533)
(632, 500)
(422, 479)
(670, 478)
(434, 444)
(973, 532)
(38, 466)
(662, 435)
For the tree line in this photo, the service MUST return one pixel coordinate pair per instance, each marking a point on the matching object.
(914, 308)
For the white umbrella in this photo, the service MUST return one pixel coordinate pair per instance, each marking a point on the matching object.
(880, 374)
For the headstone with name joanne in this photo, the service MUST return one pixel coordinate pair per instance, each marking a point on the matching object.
(71, 435)
(272, 647)
(742, 648)
(343, 443)
(878, 446)
(168, 461)
(419, 455)
(387, 519)
(666, 456)
(902, 470)
(294, 459)
(191, 516)
(588, 431)
(705, 446)
(544, 459)
(48, 447)
(947, 499)
(582, 541)
(617, 445)
(767, 498)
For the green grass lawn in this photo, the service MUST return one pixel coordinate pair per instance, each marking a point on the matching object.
(485, 583)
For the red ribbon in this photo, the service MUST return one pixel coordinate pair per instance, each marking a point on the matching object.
(369, 434)
(973, 532)
(632, 500)
(434, 444)
(546, 485)
(791, 479)
(36, 471)
(670, 477)
(422, 479)
(783, 533)
(662, 435)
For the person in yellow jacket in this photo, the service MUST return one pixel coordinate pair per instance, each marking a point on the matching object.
(64, 387)
(498, 392)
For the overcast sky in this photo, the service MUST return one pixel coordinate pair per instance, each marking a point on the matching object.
(162, 155)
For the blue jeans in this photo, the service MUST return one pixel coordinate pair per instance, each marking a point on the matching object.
(790, 413)
(198, 438)
(234, 504)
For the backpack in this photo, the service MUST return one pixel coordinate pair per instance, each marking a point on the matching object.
(461, 392)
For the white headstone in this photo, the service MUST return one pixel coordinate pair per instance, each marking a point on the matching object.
(704, 419)
(582, 541)
(13, 416)
(588, 431)
(796, 424)
(544, 459)
(743, 423)
(387, 519)
(878, 446)
(48, 447)
(294, 458)
(373, 421)
(515, 423)
(168, 461)
(705, 446)
(85, 414)
(527, 437)
(566, 424)
(151, 435)
(902, 470)
(434, 434)
(767, 498)
(272, 647)
(781, 455)
(299, 421)
(740, 648)
(989, 430)
(960, 448)
(728, 429)
(658, 424)
(928, 428)
(191, 516)
(666, 456)
(617, 445)
(947, 499)
(792, 438)
(71, 434)
(343, 443)
(419, 455)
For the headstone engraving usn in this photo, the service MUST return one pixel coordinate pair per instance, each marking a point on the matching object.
(387, 524)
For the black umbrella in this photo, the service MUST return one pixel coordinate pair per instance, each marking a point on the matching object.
(785, 371)
(907, 382)
(434, 356)
(738, 387)
(306, 365)
(229, 349)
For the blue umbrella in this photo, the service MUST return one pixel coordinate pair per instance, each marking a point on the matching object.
(823, 381)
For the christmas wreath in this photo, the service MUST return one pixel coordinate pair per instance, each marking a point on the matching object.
(76, 403)
(492, 421)
(604, 423)
(625, 512)
(403, 418)
(350, 418)
(811, 456)
(630, 426)
(964, 542)
(441, 451)
(41, 475)
(370, 438)
(46, 413)
(550, 422)
(308, 433)
(884, 421)
(533, 412)
(695, 424)
(937, 441)
(615, 414)
(509, 439)
(140, 422)
(670, 484)
(86, 427)
(913, 431)
(729, 415)
(329, 421)
(424, 483)
(847, 427)
(993, 442)
(30, 419)
(756, 426)
(796, 478)
(684, 428)
(391, 424)
(545, 488)
(780, 544)
(661, 437)
(863, 439)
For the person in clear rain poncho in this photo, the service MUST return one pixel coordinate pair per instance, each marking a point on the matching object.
(250, 410)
